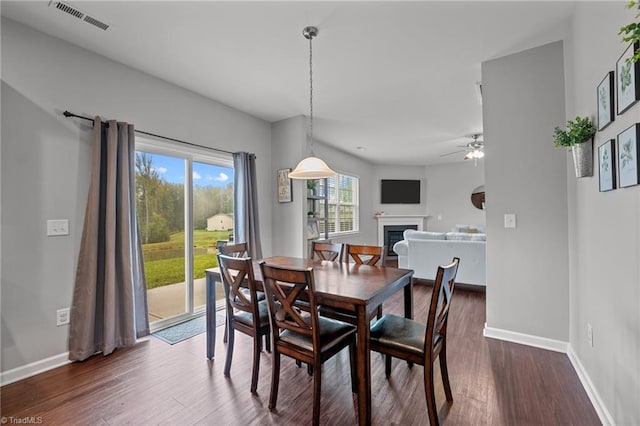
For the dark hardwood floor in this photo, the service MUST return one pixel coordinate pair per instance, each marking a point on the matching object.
(493, 383)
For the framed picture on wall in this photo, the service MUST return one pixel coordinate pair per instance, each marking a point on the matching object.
(627, 157)
(284, 186)
(606, 165)
(605, 101)
(627, 79)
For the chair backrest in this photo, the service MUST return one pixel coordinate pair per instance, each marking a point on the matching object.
(439, 307)
(365, 255)
(283, 288)
(235, 250)
(327, 251)
(237, 273)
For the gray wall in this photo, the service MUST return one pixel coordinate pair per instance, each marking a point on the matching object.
(46, 160)
(449, 188)
(527, 267)
(288, 219)
(605, 229)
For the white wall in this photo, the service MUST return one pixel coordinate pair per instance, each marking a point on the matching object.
(449, 188)
(605, 229)
(527, 267)
(46, 160)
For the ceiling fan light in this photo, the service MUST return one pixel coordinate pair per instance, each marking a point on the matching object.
(469, 156)
(479, 154)
(312, 168)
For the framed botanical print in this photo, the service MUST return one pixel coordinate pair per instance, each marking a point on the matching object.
(605, 101)
(606, 165)
(627, 79)
(627, 157)
(284, 186)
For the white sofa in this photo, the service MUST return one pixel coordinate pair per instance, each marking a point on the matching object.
(424, 251)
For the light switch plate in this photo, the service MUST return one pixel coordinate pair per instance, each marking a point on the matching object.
(509, 220)
(57, 227)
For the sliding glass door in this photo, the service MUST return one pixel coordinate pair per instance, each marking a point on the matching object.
(184, 202)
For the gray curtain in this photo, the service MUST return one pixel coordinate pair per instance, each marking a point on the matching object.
(247, 228)
(109, 308)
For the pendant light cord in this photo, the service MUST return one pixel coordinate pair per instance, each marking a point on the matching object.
(311, 94)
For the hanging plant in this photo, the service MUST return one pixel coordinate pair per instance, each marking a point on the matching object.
(631, 33)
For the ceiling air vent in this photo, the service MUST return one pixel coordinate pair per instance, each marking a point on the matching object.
(73, 11)
(68, 9)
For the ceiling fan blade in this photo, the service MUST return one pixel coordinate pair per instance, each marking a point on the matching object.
(451, 153)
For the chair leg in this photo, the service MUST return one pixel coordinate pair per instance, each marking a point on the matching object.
(257, 343)
(445, 373)
(387, 365)
(226, 325)
(317, 386)
(430, 395)
(227, 363)
(267, 342)
(310, 369)
(275, 379)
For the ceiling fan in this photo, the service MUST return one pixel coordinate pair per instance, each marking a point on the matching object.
(474, 149)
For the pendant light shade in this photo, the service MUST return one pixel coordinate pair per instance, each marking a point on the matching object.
(311, 167)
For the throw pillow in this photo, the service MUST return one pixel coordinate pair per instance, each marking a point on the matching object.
(458, 236)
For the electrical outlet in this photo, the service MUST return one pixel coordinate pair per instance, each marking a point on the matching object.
(510, 220)
(57, 227)
(590, 334)
(62, 316)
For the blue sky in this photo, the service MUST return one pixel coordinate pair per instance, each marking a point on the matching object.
(171, 169)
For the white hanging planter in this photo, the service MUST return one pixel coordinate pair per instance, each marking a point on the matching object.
(583, 158)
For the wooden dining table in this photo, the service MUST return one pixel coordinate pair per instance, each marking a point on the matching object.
(356, 288)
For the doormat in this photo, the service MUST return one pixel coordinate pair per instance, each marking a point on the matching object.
(186, 330)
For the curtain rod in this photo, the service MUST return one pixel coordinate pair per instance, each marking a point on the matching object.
(70, 114)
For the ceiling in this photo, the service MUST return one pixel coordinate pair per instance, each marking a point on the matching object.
(397, 79)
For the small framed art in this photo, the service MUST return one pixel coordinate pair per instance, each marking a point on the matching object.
(605, 101)
(284, 186)
(627, 157)
(606, 165)
(627, 79)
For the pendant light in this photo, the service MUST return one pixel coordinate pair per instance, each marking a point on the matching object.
(311, 167)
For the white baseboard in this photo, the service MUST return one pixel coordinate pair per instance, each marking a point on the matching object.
(557, 346)
(592, 393)
(34, 368)
(525, 339)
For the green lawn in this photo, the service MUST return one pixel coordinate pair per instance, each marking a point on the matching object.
(164, 262)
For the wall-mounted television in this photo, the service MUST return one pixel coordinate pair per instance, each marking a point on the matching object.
(398, 191)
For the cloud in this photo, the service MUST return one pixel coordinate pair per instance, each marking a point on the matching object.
(196, 175)
(161, 170)
(222, 177)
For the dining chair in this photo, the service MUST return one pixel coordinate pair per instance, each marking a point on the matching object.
(418, 343)
(234, 250)
(327, 251)
(304, 336)
(239, 250)
(361, 255)
(244, 312)
(365, 254)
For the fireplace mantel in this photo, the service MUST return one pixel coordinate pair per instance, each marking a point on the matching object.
(397, 220)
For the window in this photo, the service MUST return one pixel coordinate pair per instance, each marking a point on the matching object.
(343, 200)
(184, 199)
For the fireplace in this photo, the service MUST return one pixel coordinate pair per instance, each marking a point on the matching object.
(391, 227)
(393, 234)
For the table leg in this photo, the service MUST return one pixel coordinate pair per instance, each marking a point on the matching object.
(211, 316)
(364, 368)
(408, 299)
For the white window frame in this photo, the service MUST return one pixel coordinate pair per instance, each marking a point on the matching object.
(190, 154)
(356, 205)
